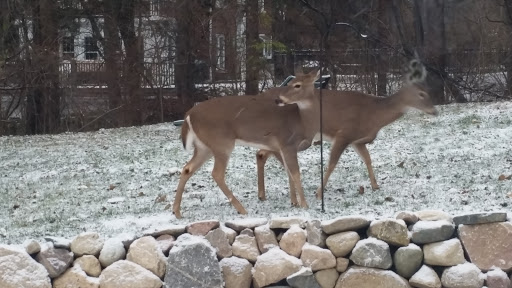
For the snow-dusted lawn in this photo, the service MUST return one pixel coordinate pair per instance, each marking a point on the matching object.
(61, 185)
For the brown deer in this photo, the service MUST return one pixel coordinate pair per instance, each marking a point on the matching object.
(213, 127)
(354, 118)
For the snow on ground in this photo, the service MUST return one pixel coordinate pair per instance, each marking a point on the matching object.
(112, 181)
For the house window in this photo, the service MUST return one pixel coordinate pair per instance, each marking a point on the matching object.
(68, 47)
(267, 46)
(221, 52)
(91, 48)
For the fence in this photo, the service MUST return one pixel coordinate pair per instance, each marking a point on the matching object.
(73, 74)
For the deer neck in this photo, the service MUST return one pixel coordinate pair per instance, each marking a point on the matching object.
(310, 116)
(393, 108)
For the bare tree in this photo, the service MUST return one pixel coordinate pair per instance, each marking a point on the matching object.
(508, 61)
(433, 46)
(112, 50)
(43, 99)
(252, 52)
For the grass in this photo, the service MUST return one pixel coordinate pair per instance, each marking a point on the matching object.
(60, 185)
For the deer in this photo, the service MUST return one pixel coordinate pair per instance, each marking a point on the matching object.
(355, 118)
(213, 128)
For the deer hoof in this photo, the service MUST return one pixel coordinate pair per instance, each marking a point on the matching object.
(375, 187)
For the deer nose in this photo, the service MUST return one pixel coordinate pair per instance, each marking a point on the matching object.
(433, 112)
(279, 101)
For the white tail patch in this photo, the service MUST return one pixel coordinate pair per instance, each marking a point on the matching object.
(191, 136)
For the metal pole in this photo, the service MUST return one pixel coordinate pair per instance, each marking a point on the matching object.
(322, 52)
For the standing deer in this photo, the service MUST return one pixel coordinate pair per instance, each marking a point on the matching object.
(213, 128)
(354, 118)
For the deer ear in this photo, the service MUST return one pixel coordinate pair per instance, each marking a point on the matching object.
(298, 70)
(417, 72)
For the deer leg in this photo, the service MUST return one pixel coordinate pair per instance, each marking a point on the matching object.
(338, 146)
(200, 156)
(363, 152)
(292, 167)
(261, 159)
(219, 175)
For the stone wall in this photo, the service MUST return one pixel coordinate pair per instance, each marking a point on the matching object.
(426, 249)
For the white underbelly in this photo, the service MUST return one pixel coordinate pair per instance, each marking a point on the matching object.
(252, 144)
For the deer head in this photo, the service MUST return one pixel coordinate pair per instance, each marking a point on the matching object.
(300, 90)
(414, 93)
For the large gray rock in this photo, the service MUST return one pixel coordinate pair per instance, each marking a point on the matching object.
(488, 245)
(372, 253)
(465, 275)
(145, 252)
(19, 270)
(75, 277)
(220, 242)
(444, 253)
(87, 243)
(424, 232)
(408, 260)
(112, 251)
(265, 238)
(341, 244)
(236, 272)
(293, 240)
(274, 266)
(316, 235)
(303, 278)
(479, 218)
(127, 274)
(89, 264)
(193, 262)
(362, 277)
(241, 224)
(426, 277)
(246, 247)
(391, 231)
(345, 223)
(56, 261)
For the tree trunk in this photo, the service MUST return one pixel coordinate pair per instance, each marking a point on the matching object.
(112, 46)
(43, 100)
(382, 65)
(184, 67)
(434, 47)
(508, 61)
(132, 65)
(253, 54)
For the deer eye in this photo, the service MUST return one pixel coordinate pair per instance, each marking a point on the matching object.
(422, 95)
(297, 85)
